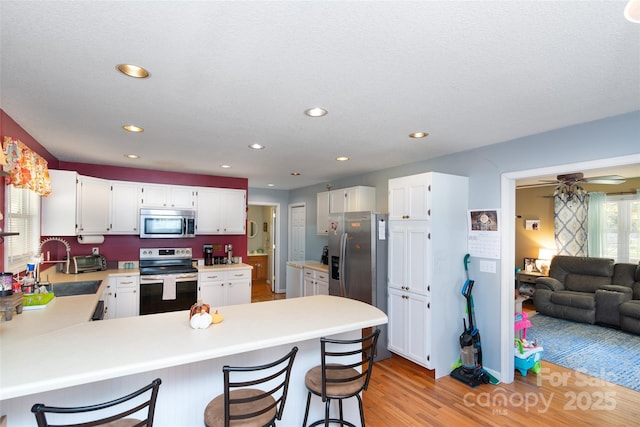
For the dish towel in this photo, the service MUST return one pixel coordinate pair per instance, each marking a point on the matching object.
(169, 288)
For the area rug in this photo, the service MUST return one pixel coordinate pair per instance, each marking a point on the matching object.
(602, 352)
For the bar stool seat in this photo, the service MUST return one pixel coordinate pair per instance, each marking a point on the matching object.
(214, 412)
(313, 381)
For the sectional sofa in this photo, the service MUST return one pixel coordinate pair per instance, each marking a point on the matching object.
(591, 290)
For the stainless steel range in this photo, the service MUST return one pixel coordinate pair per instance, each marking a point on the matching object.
(168, 280)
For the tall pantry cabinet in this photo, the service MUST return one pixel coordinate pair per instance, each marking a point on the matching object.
(427, 245)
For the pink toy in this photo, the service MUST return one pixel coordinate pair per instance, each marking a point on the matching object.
(522, 322)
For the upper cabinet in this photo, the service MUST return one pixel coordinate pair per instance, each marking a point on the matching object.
(221, 211)
(166, 196)
(352, 199)
(125, 218)
(93, 209)
(409, 197)
(59, 208)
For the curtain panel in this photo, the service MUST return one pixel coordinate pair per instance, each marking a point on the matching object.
(26, 168)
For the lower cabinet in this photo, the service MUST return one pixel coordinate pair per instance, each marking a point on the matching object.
(408, 319)
(219, 288)
(315, 282)
(122, 297)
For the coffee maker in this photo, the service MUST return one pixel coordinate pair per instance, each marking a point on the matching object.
(325, 255)
(208, 254)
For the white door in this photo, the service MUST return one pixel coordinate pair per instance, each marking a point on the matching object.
(297, 225)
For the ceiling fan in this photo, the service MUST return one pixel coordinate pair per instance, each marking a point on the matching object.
(578, 178)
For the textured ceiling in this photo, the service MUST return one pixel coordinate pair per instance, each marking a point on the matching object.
(228, 74)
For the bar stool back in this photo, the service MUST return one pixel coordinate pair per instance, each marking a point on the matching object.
(117, 420)
(345, 372)
(242, 404)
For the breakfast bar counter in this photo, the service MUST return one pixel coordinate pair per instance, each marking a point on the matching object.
(101, 359)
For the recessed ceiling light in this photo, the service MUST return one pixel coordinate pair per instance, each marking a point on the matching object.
(132, 156)
(256, 146)
(225, 166)
(316, 112)
(295, 173)
(132, 128)
(342, 158)
(418, 135)
(133, 71)
(271, 185)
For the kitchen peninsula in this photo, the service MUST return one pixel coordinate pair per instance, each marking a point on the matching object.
(61, 358)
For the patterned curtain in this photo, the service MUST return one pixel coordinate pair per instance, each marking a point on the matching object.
(571, 205)
(25, 167)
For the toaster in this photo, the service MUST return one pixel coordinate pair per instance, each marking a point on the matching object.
(84, 263)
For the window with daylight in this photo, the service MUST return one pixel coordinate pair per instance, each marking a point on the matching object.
(22, 215)
(622, 230)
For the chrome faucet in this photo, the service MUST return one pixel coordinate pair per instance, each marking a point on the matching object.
(39, 255)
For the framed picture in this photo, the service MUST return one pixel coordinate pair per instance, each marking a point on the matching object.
(532, 224)
(530, 265)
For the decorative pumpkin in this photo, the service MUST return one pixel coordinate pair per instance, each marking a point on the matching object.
(199, 316)
(217, 317)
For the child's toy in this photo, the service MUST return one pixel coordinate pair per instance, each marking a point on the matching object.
(521, 324)
(527, 356)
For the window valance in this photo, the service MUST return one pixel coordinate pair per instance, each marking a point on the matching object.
(26, 168)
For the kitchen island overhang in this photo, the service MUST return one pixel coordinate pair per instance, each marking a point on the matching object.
(164, 344)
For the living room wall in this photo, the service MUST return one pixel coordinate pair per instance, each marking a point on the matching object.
(536, 203)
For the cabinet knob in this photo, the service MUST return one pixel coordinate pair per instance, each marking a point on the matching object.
(429, 288)
(429, 212)
(429, 236)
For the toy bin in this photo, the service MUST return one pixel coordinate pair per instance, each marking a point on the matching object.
(530, 358)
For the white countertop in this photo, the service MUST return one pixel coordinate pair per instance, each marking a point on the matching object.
(314, 265)
(57, 347)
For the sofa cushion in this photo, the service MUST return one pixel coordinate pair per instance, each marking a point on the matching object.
(574, 299)
(630, 309)
(624, 274)
(585, 283)
(582, 274)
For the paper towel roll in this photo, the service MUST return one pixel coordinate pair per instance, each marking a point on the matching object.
(91, 240)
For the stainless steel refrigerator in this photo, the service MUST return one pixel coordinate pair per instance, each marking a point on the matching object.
(358, 262)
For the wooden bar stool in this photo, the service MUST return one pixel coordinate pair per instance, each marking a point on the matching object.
(345, 372)
(117, 420)
(243, 405)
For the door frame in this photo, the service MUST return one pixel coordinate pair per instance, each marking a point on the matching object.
(508, 203)
(274, 234)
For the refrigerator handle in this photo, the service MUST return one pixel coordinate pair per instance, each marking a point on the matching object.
(343, 254)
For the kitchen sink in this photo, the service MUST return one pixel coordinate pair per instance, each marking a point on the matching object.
(65, 289)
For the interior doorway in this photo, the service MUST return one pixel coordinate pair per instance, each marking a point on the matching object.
(508, 203)
(263, 242)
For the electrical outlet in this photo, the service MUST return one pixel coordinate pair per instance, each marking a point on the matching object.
(95, 251)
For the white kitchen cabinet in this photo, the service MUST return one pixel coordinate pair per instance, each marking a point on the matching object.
(409, 197)
(166, 196)
(408, 332)
(127, 296)
(427, 245)
(315, 282)
(322, 213)
(93, 205)
(59, 209)
(221, 211)
(219, 288)
(109, 298)
(352, 199)
(125, 217)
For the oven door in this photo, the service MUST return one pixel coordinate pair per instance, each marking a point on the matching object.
(154, 298)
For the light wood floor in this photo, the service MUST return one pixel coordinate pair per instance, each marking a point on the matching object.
(261, 291)
(402, 393)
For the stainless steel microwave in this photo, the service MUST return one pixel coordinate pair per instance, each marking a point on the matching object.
(167, 223)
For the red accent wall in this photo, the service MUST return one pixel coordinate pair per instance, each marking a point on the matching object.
(127, 247)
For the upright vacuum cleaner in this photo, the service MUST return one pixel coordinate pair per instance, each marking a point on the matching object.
(470, 371)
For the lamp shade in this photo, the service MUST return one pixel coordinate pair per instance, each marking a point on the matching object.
(546, 253)
(632, 11)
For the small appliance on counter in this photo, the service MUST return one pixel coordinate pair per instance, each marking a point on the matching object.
(86, 263)
(208, 254)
